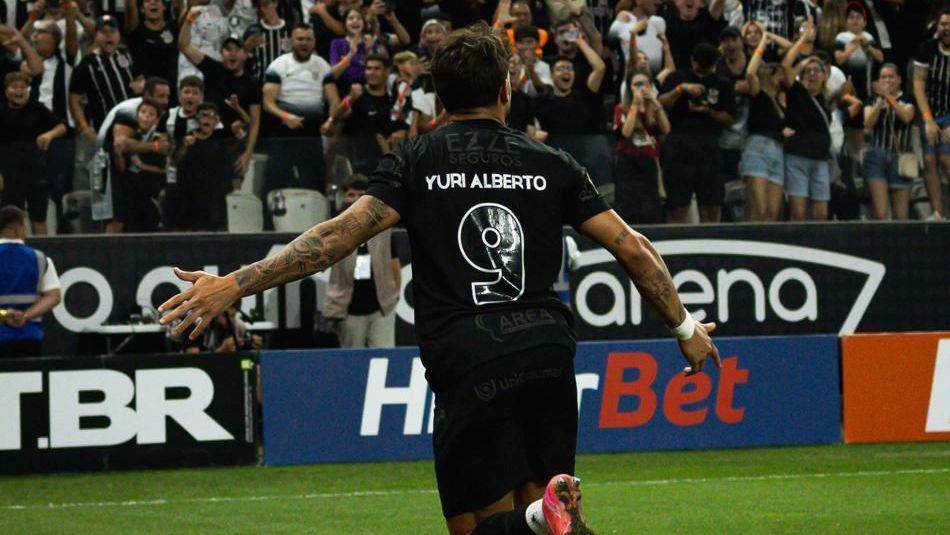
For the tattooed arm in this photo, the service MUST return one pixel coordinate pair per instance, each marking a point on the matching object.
(649, 273)
(311, 252)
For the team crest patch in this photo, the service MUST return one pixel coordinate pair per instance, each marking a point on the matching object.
(123, 61)
(712, 95)
(167, 37)
(285, 44)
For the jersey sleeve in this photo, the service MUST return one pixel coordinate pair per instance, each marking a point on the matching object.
(272, 74)
(79, 82)
(389, 182)
(924, 55)
(583, 199)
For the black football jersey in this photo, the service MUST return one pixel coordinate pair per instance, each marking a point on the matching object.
(484, 206)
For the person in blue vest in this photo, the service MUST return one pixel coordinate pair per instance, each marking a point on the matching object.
(29, 288)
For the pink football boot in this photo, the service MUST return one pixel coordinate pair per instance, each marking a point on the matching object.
(562, 506)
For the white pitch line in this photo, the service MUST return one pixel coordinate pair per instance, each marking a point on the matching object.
(365, 493)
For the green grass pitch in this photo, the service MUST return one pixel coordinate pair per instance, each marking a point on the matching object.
(825, 489)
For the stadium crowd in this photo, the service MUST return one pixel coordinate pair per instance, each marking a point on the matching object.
(149, 113)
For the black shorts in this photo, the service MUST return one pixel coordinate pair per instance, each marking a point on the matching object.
(692, 164)
(507, 422)
(26, 187)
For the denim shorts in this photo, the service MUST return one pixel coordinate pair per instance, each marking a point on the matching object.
(881, 164)
(944, 147)
(805, 177)
(763, 157)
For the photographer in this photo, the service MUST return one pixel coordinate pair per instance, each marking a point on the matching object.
(227, 334)
(700, 105)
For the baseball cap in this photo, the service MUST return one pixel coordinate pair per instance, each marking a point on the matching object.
(107, 20)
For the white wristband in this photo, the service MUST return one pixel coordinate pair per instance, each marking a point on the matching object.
(685, 330)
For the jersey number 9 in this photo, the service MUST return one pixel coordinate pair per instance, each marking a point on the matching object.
(491, 240)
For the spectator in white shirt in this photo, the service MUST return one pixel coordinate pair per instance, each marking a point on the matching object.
(648, 28)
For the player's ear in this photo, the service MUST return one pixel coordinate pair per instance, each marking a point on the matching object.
(504, 96)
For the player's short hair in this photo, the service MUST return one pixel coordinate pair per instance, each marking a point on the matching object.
(529, 32)
(11, 216)
(377, 57)
(356, 181)
(470, 67)
(705, 55)
(192, 81)
(16, 76)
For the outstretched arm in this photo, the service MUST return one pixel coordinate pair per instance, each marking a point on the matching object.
(649, 273)
(311, 252)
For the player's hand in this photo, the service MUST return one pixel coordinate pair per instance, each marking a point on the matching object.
(208, 296)
(698, 348)
(932, 131)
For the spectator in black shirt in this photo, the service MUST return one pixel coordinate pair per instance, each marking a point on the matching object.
(688, 24)
(368, 129)
(932, 93)
(26, 130)
(140, 176)
(808, 136)
(763, 161)
(569, 113)
(205, 174)
(700, 105)
(230, 87)
(152, 41)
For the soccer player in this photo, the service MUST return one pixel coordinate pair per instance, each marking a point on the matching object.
(484, 207)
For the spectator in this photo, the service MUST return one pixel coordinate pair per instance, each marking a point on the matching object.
(181, 121)
(364, 287)
(151, 41)
(537, 73)
(139, 176)
(701, 104)
(638, 120)
(52, 89)
(54, 12)
(570, 116)
(644, 28)
(267, 39)
(26, 130)
(101, 80)
(577, 12)
(207, 28)
(241, 15)
(753, 32)
(368, 128)
(856, 52)
(732, 67)
(513, 15)
(379, 12)
(13, 41)
(205, 173)
(348, 54)
(688, 24)
(519, 113)
(295, 94)
(763, 162)
(431, 35)
(932, 94)
(887, 124)
(326, 17)
(807, 137)
(23, 271)
(407, 68)
(568, 39)
(234, 90)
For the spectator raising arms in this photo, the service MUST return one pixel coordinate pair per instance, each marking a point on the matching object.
(26, 130)
(644, 28)
(537, 73)
(887, 125)
(701, 104)
(763, 161)
(348, 54)
(932, 94)
(152, 41)
(638, 120)
(688, 24)
(807, 136)
(234, 90)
